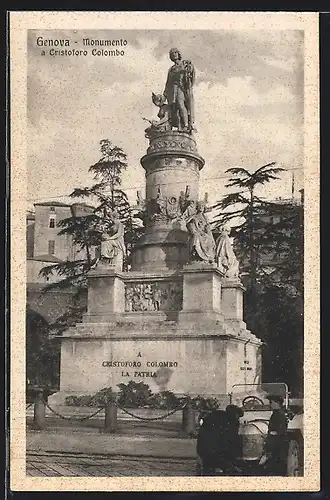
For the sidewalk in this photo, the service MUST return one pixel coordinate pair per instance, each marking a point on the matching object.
(134, 437)
(65, 441)
(129, 427)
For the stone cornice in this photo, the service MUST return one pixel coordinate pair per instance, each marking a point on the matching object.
(151, 157)
(158, 336)
(199, 267)
(135, 275)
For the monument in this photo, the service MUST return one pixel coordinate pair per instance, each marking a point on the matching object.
(175, 320)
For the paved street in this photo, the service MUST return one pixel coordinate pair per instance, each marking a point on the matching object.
(93, 444)
(74, 452)
(53, 464)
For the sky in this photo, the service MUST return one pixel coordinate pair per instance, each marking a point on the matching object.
(248, 99)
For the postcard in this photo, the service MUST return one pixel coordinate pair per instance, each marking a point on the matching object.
(164, 228)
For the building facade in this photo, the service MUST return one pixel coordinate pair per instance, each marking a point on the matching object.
(45, 247)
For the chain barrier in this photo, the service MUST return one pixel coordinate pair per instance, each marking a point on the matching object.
(151, 418)
(81, 419)
(75, 419)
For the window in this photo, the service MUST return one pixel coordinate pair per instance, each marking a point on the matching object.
(52, 222)
(52, 209)
(51, 247)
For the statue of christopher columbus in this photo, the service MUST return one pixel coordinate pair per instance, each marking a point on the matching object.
(179, 92)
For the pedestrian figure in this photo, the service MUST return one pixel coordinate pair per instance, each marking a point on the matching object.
(218, 441)
(274, 458)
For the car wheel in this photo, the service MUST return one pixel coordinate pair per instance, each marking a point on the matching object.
(294, 465)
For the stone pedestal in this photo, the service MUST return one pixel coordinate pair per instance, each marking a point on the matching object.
(194, 344)
(201, 293)
(195, 365)
(232, 299)
(172, 162)
(172, 166)
(169, 323)
(106, 293)
(168, 252)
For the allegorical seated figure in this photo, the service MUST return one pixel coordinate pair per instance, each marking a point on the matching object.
(201, 243)
(112, 246)
(163, 124)
(225, 256)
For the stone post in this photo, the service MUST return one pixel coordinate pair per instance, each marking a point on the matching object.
(39, 417)
(110, 419)
(188, 419)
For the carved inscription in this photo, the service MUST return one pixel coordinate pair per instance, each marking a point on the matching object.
(161, 371)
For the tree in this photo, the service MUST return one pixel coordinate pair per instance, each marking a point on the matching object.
(268, 240)
(248, 210)
(281, 329)
(281, 300)
(287, 246)
(108, 194)
(82, 228)
(42, 353)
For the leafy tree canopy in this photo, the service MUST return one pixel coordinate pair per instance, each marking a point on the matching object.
(268, 240)
(82, 227)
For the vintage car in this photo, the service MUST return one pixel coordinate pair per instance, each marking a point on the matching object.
(252, 398)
